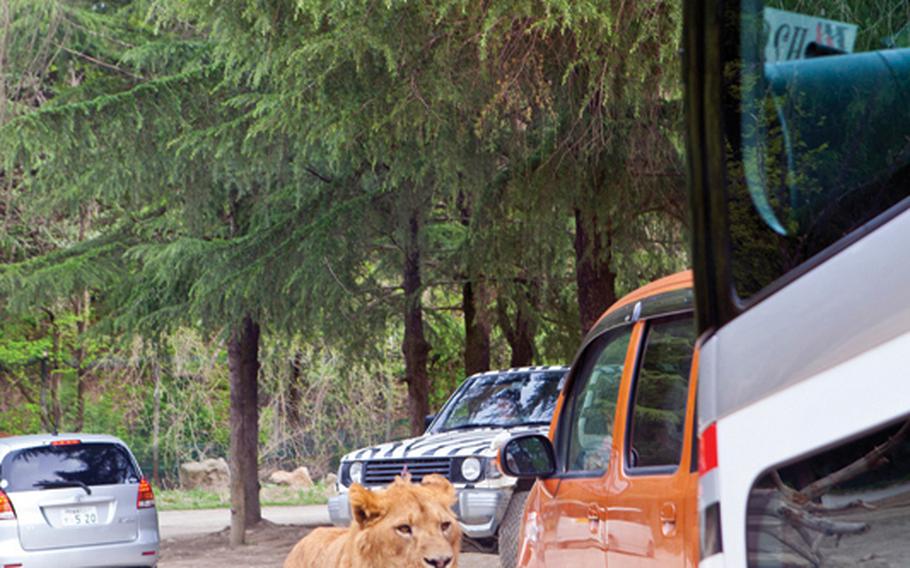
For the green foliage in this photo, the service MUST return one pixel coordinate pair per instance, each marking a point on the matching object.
(176, 166)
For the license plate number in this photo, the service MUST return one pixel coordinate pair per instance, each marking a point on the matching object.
(80, 516)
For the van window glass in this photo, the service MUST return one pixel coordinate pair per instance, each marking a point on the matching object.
(592, 405)
(846, 506)
(822, 143)
(48, 466)
(660, 393)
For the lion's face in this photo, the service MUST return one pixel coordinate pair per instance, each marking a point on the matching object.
(407, 525)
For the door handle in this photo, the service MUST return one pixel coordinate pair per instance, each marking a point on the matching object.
(594, 518)
(668, 519)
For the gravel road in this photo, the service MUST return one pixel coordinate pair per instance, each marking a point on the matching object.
(195, 523)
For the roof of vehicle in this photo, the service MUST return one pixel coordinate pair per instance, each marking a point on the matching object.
(678, 281)
(666, 295)
(13, 443)
(538, 369)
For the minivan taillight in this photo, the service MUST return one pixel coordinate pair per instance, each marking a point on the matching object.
(7, 513)
(146, 498)
(707, 449)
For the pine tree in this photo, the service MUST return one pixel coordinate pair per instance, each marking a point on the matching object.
(342, 172)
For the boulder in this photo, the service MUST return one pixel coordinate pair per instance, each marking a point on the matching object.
(330, 481)
(206, 474)
(280, 477)
(298, 479)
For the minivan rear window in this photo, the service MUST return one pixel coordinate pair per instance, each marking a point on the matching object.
(44, 467)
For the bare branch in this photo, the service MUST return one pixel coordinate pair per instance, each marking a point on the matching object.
(819, 524)
(312, 171)
(100, 63)
(870, 461)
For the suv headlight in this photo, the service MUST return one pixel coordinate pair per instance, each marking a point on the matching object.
(471, 469)
(356, 472)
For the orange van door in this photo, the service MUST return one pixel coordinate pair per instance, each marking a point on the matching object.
(573, 515)
(653, 492)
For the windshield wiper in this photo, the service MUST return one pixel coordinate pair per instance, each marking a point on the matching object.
(491, 425)
(469, 426)
(62, 484)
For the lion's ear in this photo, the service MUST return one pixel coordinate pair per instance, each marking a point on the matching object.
(366, 506)
(441, 486)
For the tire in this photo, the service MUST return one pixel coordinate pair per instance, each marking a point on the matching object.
(509, 529)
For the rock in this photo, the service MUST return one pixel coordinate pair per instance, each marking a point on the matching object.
(330, 481)
(207, 474)
(280, 477)
(298, 479)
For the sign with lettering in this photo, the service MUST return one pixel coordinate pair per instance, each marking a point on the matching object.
(789, 35)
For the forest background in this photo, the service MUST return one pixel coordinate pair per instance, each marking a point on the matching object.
(278, 230)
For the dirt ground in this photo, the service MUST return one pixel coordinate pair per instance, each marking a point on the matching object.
(884, 546)
(267, 547)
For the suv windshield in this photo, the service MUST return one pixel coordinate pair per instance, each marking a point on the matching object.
(508, 399)
(78, 465)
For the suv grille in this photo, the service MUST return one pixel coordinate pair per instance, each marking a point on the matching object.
(382, 472)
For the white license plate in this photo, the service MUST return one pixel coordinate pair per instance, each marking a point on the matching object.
(80, 516)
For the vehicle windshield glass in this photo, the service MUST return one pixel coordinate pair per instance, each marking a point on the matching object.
(45, 467)
(822, 146)
(508, 399)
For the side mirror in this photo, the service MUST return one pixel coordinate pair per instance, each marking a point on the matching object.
(428, 420)
(528, 456)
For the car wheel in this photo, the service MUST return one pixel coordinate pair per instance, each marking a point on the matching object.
(509, 529)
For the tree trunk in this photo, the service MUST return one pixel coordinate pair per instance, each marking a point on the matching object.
(243, 363)
(156, 420)
(47, 421)
(474, 306)
(523, 341)
(82, 309)
(476, 329)
(5, 27)
(415, 347)
(593, 273)
(292, 409)
(55, 411)
(520, 329)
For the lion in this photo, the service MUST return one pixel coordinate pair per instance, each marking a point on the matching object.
(406, 525)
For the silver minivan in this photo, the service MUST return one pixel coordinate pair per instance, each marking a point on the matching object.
(74, 500)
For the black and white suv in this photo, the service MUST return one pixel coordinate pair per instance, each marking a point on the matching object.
(461, 443)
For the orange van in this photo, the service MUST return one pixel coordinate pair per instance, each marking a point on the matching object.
(617, 477)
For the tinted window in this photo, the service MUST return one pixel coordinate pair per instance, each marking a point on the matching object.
(592, 405)
(509, 399)
(660, 394)
(847, 506)
(46, 466)
(823, 134)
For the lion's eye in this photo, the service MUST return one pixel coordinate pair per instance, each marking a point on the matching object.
(403, 529)
(446, 526)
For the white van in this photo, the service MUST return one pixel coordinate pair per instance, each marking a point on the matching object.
(798, 118)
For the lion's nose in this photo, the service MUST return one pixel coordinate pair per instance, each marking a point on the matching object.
(438, 562)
